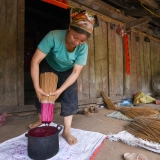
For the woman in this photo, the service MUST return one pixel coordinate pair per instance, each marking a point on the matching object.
(63, 52)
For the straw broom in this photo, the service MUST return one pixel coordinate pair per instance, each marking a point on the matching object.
(145, 128)
(48, 83)
(137, 112)
(109, 103)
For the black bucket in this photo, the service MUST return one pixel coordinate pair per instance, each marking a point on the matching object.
(43, 142)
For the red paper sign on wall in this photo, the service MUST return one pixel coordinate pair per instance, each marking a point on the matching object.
(60, 3)
(127, 57)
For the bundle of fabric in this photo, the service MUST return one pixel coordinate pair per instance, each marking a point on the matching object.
(109, 103)
(141, 97)
(131, 140)
(145, 128)
(138, 112)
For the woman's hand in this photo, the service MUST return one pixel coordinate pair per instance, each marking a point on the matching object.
(69, 81)
(40, 93)
(56, 93)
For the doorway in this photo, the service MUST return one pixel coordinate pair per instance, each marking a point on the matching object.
(40, 18)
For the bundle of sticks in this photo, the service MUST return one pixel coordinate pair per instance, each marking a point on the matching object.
(145, 128)
(130, 112)
(48, 83)
(138, 111)
(110, 104)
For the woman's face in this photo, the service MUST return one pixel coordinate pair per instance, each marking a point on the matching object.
(74, 39)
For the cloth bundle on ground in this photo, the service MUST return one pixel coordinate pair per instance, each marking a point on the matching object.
(119, 115)
(86, 148)
(141, 97)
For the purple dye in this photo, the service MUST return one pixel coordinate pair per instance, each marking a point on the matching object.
(42, 131)
(47, 110)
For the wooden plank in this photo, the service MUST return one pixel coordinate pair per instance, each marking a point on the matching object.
(155, 59)
(133, 65)
(2, 49)
(138, 12)
(147, 67)
(8, 53)
(142, 62)
(91, 62)
(112, 61)
(137, 22)
(16, 108)
(85, 81)
(79, 83)
(20, 51)
(138, 63)
(101, 64)
(119, 69)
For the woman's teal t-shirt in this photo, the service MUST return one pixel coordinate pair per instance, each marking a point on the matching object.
(53, 44)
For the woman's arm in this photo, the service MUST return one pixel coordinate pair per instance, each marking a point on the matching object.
(69, 81)
(36, 59)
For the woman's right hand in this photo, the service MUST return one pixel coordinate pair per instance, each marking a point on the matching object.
(40, 93)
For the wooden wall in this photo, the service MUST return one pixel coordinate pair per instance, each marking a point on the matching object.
(11, 52)
(105, 69)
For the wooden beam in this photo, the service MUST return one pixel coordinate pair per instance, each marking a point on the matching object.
(100, 7)
(137, 22)
(139, 12)
(150, 3)
(119, 3)
(155, 22)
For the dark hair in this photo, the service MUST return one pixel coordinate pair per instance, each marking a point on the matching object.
(81, 31)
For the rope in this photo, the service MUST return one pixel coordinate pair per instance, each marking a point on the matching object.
(149, 10)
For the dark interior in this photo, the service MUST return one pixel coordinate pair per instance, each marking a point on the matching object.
(40, 18)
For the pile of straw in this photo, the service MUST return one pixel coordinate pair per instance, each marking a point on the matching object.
(145, 128)
(48, 83)
(138, 111)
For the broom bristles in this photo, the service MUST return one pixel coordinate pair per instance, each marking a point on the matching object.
(48, 83)
(137, 112)
(109, 103)
(145, 128)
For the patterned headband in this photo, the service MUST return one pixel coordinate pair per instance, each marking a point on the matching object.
(83, 20)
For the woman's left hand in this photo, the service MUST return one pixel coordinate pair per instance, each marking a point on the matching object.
(56, 93)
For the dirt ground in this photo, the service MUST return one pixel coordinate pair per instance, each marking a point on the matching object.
(97, 122)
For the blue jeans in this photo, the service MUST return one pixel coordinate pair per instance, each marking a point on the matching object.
(69, 97)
